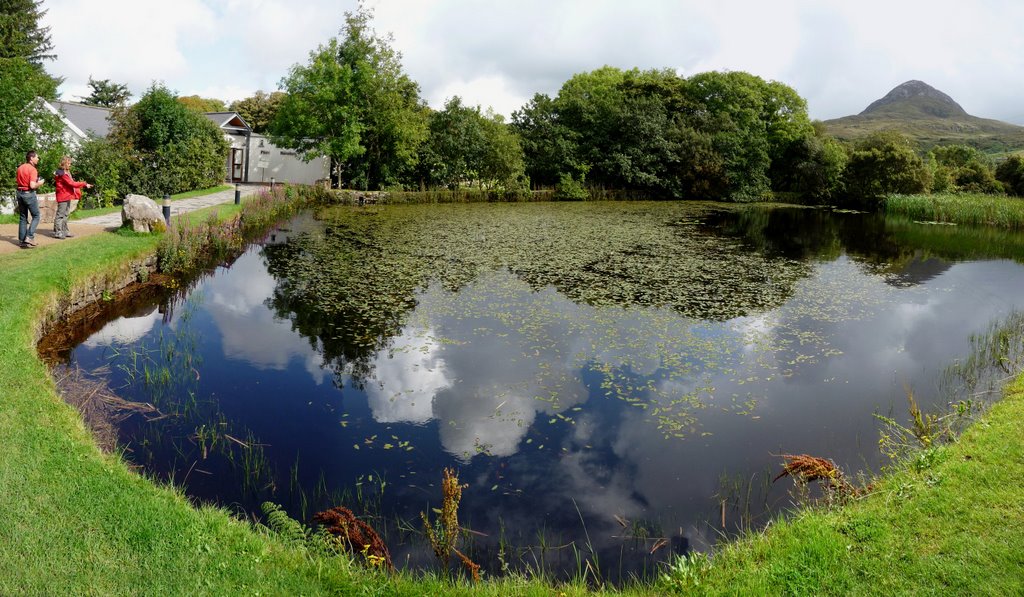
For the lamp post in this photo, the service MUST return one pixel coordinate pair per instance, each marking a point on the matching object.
(238, 195)
(167, 209)
(271, 183)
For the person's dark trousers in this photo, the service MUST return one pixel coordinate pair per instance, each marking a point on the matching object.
(27, 204)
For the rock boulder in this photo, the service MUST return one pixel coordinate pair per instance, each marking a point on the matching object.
(141, 212)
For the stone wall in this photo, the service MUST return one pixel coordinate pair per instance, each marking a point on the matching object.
(47, 206)
(101, 287)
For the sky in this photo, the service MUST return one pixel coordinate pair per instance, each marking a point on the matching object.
(839, 55)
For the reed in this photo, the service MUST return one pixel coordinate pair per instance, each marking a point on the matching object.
(189, 246)
(960, 208)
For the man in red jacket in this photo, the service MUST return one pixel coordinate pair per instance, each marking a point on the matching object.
(28, 181)
(68, 190)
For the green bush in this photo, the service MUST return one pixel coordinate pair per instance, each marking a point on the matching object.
(1011, 174)
(883, 164)
(101, 163)
(570, 189)
(166, 147)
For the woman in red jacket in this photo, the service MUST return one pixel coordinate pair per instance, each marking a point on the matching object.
(68, 190)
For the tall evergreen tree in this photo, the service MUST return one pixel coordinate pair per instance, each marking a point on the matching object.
(22, 36)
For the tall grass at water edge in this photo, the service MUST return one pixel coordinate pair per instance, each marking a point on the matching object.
(960, 208)
(191, 244)
(481, 196)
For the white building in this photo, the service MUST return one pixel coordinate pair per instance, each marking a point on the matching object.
(252, 157)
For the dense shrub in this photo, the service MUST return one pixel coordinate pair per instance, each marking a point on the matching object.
(570, 189)
(101, 163)
(883, 164)
(962, 169)
(166, 147)
(1011, 174)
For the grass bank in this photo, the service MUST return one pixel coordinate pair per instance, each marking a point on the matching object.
(953, 527)
(77, 521)
(960, 208)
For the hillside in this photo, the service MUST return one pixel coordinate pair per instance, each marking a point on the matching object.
(929, 117)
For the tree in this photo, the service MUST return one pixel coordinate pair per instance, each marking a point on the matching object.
(202, 104)
(20, 33)
(259, 109)
(1011, 174)
(24, 123)
(714, 135)
(812, 167)
(168, 148)
(882, 164)
(352, 102)
(453, 147)
(106, 93)
(960, 168)
(501, 164)
(752, 124)
(549, 147)
(464, 145)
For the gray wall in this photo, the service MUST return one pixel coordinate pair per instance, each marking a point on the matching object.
(267, 161)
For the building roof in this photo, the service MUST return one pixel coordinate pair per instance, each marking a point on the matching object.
(95, 120)
(228, 121)
(90, 120)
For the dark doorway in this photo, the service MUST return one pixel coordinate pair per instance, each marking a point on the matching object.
(237, 168)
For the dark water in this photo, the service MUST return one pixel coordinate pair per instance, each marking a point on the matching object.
(592, 418)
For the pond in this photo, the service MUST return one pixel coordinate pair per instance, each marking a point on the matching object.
(614, 382)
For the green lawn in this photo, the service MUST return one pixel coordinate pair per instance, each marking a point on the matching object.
(76, 521)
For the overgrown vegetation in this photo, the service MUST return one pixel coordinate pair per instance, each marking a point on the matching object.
(190, 245)
(960, 208)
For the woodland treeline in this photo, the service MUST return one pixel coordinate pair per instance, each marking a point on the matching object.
(716, 135)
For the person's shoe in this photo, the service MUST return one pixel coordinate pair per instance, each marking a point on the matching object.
(30, 242)
(68, 235)
(58, 236)
(27, 245)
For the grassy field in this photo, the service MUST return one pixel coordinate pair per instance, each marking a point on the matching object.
(960, 208)
(76, 521)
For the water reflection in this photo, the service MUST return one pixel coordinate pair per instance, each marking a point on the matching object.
(236, 300)
(614, 424)
(126, 329)
(407, 379)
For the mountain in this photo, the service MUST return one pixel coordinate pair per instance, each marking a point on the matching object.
(929, 117)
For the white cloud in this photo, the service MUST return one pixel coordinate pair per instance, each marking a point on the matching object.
(248, 328)
(407, 379)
